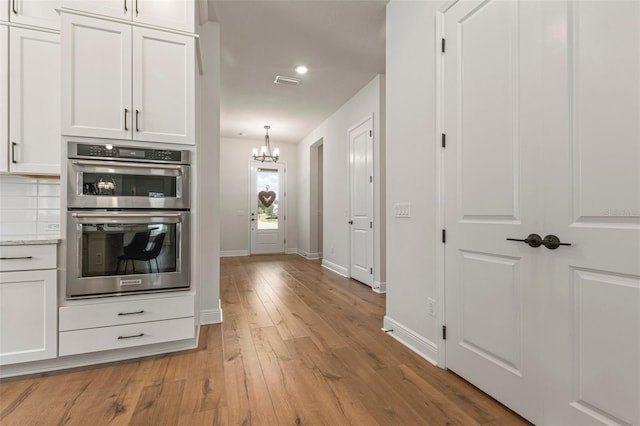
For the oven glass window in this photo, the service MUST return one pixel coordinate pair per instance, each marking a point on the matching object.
(127, 249)
(129, 185)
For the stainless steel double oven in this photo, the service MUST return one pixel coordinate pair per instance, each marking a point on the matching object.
(128, 227)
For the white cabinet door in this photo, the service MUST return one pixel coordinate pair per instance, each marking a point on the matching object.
(39, 13)
(28, 321)
(4, 10)
(34, 110)
(4, 96)
(164, 87)
(115, 8)
(96, 78)
(176, 14)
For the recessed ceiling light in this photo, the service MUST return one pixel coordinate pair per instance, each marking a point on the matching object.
(301, 69)
(241, 134)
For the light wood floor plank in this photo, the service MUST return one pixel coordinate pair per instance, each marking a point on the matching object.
(299, 345)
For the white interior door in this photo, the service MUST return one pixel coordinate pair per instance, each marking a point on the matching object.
(267, 203)
(361, 201)
(591, 145)
(542, 108)
(491, 195)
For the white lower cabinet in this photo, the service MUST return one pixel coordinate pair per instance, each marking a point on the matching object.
(28, 304)
(121, 324)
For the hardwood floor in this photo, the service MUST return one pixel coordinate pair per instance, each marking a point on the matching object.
(299, 345)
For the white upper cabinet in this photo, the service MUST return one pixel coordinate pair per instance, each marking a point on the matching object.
(34, 101)
(174, 14)
(4, 10)
(4, 98)
(164, 105)
(121, 82)
(39, 13)
(96, 84)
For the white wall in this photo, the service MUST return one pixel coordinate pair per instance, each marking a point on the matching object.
(333, 132)
(206, 206)
(235, 154)
(412, 149)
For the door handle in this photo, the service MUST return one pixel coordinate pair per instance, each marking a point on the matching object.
(13, 7)
(137, 115)
(137, 8)
(534, 240)
(350, 222)
(125, 9)
(13, 153)
(552, 242)
(126, 111)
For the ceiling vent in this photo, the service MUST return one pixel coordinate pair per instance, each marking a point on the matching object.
(286, 81)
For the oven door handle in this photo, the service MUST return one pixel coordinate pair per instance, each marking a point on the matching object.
(123, 215)
(124, 165)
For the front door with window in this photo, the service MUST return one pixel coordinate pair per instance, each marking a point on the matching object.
(267, 203)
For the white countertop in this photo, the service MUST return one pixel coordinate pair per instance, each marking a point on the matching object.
(31, 241)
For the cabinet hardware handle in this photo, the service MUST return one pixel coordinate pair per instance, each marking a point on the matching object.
(137, 115)
(13, 7)
(130, 337)
(534, 240)
(126, 111)
(131, 313)
(350, 222)
(16, 258)
(125, 6)
(552, 242)
(13, 152)
(137, 8)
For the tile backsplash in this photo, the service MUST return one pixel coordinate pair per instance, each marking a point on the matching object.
(29, 208)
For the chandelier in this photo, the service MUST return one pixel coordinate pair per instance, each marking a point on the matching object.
(265, 150)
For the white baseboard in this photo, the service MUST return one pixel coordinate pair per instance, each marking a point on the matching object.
(211, 316)
(340, 270)
(379, 287)
(233, 253)
(417, 343)
(310, 256)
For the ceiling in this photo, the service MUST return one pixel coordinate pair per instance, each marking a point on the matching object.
(341, 42)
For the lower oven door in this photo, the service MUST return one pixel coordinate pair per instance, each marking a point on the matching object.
(115, 253)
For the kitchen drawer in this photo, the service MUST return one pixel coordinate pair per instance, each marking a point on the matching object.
(27, 257)
(119, 312)
(125, 336)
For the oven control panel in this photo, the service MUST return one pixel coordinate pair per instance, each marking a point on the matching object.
(127, 153)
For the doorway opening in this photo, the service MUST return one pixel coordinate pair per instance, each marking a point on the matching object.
(316, 153)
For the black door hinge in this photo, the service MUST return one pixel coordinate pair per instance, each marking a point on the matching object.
(371, 133)
(371, 271)
(444, 140)
(371, 225)
(443, 46)
(370, 179)
(444, 332)
(444, 235)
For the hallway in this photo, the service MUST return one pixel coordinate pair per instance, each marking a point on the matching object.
(299, 345)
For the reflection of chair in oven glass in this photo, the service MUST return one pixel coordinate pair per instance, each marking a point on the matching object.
(143, 254)
(137, 245)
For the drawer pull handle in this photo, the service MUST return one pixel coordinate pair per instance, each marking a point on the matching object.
(130, 337)
(16, 258)
(130, 313)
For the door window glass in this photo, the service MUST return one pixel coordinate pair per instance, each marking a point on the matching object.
(268, 198)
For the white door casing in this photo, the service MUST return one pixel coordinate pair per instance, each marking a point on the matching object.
(565, 154)
(34, 106)
(361, 201)
(267, 204)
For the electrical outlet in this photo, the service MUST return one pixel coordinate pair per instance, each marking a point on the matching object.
(432, 307)
(53, 226)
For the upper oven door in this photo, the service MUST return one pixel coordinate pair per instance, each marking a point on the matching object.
(96, 184)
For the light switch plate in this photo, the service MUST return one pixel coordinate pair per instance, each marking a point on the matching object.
(402, 209)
